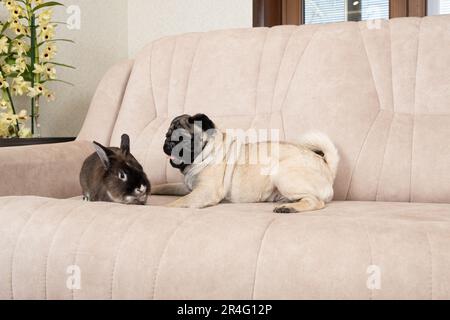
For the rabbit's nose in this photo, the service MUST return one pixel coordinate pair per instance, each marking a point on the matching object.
(141, 189)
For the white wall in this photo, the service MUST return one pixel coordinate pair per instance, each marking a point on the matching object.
(100, 42)
(151, 19)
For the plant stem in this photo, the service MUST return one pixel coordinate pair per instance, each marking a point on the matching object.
(33, 59)
(13, 108)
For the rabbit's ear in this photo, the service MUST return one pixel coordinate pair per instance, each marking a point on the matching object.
(102, 153)
(125, 144)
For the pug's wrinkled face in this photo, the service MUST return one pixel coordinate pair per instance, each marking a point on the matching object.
(186, 139)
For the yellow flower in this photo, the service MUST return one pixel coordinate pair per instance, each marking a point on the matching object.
(20, 66)
(15, 10)
(22, 115)
(4, 45)
(20, 47)
(25, 133)
(20, 86)
(49, 52)
(6, 69)
(38, 68)
(4, 127)
(20, 30)
(10, 4)
(50, 96)
(4, 105)
(4, 130)
(8, 118)
(37, 90)
(47, 32)
(45, 17)
(50, 71)
(3, 82)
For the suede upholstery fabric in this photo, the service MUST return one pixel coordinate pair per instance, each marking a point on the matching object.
(382, 94)
(231, 251)
(49, 170)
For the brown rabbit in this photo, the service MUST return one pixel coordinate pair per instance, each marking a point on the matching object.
(114, 175)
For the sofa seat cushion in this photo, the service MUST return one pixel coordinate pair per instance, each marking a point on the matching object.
(367, 250)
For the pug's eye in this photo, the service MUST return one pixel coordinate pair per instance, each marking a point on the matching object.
(122, 176)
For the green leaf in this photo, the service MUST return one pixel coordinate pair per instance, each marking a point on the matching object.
(58, 22)
(27, 76)
(57, 80)
(18, 37)
(62, 65)
(10, 61)
(55, 40)
(47, 4)
(5, 26)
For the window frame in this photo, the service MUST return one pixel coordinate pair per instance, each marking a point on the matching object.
(269, 13)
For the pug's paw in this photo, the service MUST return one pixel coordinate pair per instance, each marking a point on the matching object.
(284, 209)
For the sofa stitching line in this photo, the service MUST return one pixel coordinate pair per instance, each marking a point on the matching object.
(358, 158)
(158, 127)
(392, 67)
(288, 88)
(158, 267)
(431, 265)
(258, 77)
(77, 249)
(169, 90)
(120, 247)
(259, 254)
(151, 80)
(194, 57)
(69, 213)
(116, 118)
(369, 242)
(279, 68)
(32, 215)
(169, 86)
(374, 120)
(154, 104)
(414, 113)
(380, 173)
(153, 96)
(163, 120)
(370, 64)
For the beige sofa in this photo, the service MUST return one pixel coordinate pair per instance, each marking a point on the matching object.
(380, 90)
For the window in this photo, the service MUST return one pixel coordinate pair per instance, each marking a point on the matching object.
(436, 7)
(325, 11)
(268, 13)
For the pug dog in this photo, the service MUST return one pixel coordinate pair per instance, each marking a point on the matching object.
(219, 167)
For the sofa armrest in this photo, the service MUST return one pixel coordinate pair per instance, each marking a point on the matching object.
(49, 170)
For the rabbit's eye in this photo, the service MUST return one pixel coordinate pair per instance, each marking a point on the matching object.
(122, 176)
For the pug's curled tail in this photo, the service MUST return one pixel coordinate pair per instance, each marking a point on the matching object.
(320, 143)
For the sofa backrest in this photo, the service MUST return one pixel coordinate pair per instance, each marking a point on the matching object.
(380, 90)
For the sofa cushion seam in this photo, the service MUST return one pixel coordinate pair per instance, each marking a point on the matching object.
(259, 255)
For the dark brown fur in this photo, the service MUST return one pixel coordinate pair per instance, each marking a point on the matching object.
(100, 178)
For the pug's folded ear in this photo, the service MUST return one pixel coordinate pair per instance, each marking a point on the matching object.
(206, 122)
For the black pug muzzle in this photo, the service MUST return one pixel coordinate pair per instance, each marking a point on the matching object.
(183, 143)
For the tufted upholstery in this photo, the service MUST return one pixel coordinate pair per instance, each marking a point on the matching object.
(381, 92)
